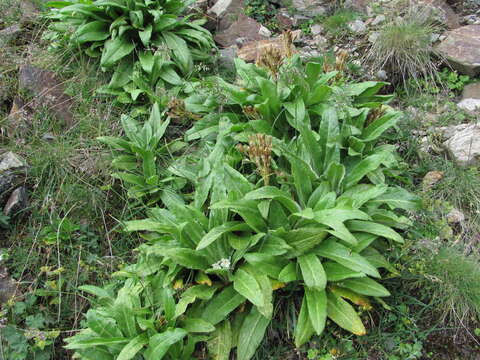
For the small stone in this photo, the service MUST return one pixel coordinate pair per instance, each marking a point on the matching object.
(17, 202)
(373, 37)
(469, 104)
(464, 146)
(378, 20)
(48, 137)
(357, 26)
(320, 42)
(471, 91)
(265, 32)
(434, 37)
(316, 29)
(431, 178)
(9, 34)
(7, 286)
(455, 217)
(382, 75)
(11, 161)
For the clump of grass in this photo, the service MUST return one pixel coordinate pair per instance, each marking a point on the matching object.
(403, 47)
(452, 281)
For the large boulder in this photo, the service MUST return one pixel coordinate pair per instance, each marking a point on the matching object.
(244, 28)
(461, 49)
(444, 13)
(226, 12)
(47, 91)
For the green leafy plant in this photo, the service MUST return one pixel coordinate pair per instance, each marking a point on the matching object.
(147, 44)
(280, 100)
(136, 156)
(317, 228)
(137, 320)
(453, 80)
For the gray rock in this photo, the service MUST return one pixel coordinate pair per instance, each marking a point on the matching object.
(244, 27)
(226, 12)
(12, 168)
(382, 75)
(7, 286)
(357, 26)
(309, 8)
(461, 48)
(469, 104)
(378, 20)
(464, 146)
(471, 91)
(9, 34)
(455, 217)
(11, 161)
(265, 32)
(316, 29)
(373, 37)
(17, 202)
(48, 91)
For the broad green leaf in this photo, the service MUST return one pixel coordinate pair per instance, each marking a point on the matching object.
(374, 228)
(268, 264)
(304, 239)
(92, 31)
(246, 285)
(251, 334)
(364, 167)
(312, 271)
(271, 192)
(95, 290)
(133, 347)
(303, 328)
(288, 273)
(191, 259)
(115, 50)
(193, 325)
(159, 344)
(221, 305)
(335, 251)
(218, 231)
(398, 198)
(317, 308)
(85, 344)
(365, 286)
(220, 344)
(380, 125)
(247, 209)
(338, 272)
(344, 315)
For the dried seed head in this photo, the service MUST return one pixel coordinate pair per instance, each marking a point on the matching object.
(259, 151)
(178, 113)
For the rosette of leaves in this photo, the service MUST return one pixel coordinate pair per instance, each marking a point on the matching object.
(320, 226)
(138, 156)
(138, 322)
(281, 103)
(147, 44)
